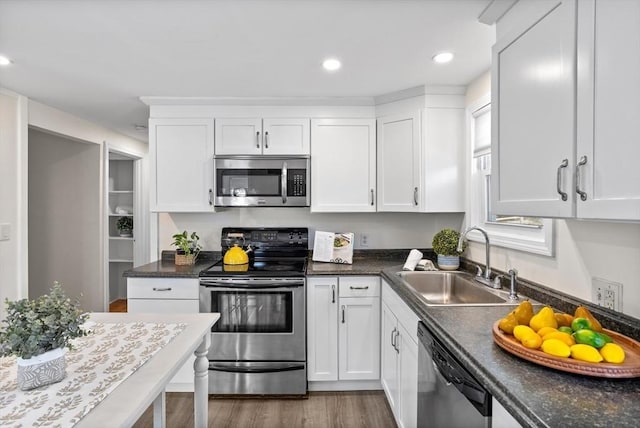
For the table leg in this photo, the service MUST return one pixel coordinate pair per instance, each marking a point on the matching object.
(159, 411)
(201, 384)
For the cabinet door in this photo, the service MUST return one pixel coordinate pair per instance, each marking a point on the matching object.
(533, 115)
(389, 357)
(181, 152)
(398, 149)
(343, 170)
(322, 328)
(359, 338)
(286, 137)
(239, 136)
(407, 378)
(608, 110)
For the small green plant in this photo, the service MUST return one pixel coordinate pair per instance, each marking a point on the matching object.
(125, 223)
(445, 243)
(187, 244)
(33, 327)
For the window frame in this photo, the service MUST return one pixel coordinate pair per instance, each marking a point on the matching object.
(522, 238)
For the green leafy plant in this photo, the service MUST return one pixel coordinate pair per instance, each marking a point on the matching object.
(445, 243)
(187, 244)
(125, 223)
(33, 327)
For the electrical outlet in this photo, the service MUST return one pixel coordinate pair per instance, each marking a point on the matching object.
(607, 293)
(364, 240)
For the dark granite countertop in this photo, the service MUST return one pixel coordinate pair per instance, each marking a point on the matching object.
(166, 267)
(365, 262)
(536, 396)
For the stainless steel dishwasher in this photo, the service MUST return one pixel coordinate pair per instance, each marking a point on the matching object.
(448, 395)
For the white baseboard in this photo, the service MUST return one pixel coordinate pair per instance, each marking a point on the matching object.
(344, 385)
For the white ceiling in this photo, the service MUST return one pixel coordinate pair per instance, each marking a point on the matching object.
(95, 58)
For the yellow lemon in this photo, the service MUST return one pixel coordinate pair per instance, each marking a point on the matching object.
(559, 335)
(546, 330)
(584, 352)
(520, 331)
(612, 353)
(556, 347)
(532, 341)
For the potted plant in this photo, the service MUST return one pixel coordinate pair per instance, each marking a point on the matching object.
(38, 332)
(187, 247)
(125, 226)
(445, 245)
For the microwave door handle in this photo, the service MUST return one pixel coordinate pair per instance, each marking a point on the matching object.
(283, 183)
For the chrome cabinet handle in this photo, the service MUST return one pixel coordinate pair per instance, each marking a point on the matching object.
(210, 196)
(257, 139)
(393, 333)
(583, 194)
(162, 289)
(266, 139)
(333, 294)
(283, 184)
(342, 314)
(415, 196)
(564, 164)
(366, 287)
(372, 198)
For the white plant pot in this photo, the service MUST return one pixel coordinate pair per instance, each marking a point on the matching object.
(42, 369)
(448, 262)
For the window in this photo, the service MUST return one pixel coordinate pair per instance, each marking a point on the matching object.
(531, 234)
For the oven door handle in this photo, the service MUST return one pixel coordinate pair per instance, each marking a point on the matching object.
(233, 368)
(255, 285)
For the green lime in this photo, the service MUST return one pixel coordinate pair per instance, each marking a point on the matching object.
(589, 337)
(580, 324)
(565, 329)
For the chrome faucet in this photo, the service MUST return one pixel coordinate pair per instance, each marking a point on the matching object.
(513, 274)
(486, 278)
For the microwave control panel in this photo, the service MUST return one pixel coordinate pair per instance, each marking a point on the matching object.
(297, 182)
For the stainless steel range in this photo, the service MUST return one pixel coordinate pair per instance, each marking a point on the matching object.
(258, 346)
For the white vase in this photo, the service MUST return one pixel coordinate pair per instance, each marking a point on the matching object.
(42, 369)
(448, 262)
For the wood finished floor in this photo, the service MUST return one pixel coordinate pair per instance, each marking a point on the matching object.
(119, 305)
(322, 409)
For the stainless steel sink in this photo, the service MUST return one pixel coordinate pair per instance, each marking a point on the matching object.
(453, 289)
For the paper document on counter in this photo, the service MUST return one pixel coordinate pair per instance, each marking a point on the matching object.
(333, 247)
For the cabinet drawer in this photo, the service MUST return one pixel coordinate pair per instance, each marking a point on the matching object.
(163, 306)
(162, 288)
(359, 286)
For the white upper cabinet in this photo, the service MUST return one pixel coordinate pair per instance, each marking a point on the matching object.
(608, 139)
(533, 115)
(181, 153)
(421, 159)
(254, 136)
(399, 162)
(564, 142)
(343, 165)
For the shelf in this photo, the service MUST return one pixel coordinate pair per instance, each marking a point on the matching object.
(121, 238)
(120, 261)
(120, 215)
(121, 192)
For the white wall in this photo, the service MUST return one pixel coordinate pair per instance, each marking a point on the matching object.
(384, 230)
(13, 199)
(65, 218)
(583, 249)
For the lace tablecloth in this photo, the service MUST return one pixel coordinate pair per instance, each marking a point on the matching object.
(95, 367)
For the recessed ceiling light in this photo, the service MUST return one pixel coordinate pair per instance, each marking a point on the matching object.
(331, 64)
(4, 60)
(443, 57)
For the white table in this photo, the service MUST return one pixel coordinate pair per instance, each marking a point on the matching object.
(124, 406)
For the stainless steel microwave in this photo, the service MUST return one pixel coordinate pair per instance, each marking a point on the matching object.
(247, 181)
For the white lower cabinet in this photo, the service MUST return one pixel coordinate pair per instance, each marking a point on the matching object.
(343, 328)
(166, 296)
(399, 357)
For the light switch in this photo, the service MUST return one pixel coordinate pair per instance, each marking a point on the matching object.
(5, 231)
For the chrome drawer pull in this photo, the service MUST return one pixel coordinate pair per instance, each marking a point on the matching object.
(564, 164)
(366, 287)
(162, 289)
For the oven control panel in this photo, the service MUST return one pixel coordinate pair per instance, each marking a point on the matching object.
(265, 238)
